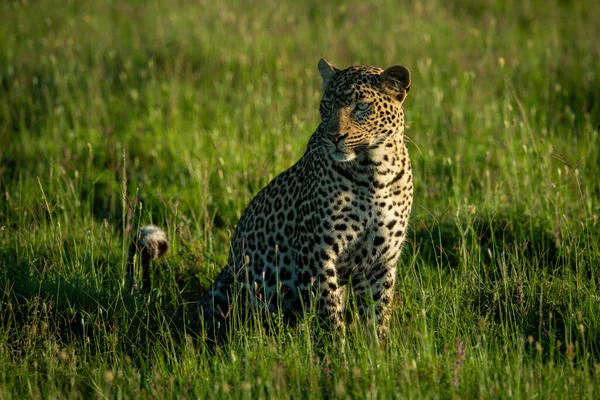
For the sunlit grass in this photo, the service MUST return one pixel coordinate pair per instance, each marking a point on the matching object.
(114, 115)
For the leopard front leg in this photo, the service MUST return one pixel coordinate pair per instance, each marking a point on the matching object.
(374, 292)
(330, 302)
(318, 254)
(320, 289)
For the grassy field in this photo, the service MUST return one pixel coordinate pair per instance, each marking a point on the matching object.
(116, 114)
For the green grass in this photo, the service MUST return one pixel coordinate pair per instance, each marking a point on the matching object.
(117, 114)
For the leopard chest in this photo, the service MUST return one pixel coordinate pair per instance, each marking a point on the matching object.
(364, 220)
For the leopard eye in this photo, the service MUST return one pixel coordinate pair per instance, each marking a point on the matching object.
(362, 107)
(326, 104)
(325, 109)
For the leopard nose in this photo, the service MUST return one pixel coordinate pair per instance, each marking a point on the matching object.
(335, 137)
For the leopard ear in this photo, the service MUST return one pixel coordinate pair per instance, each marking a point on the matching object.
(396, 81)
(327, 71)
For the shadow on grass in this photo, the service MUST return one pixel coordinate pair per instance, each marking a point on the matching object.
(516, 273)
(481, 240)
(37, 307)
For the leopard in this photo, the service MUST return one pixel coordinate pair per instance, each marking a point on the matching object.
(335, 222)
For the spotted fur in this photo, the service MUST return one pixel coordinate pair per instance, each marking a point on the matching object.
(335, 219)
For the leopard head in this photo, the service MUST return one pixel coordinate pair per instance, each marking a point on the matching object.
(361, 108)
